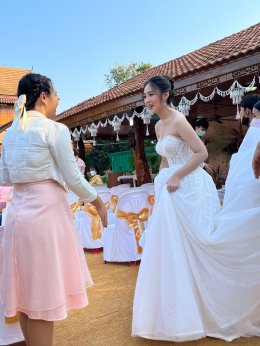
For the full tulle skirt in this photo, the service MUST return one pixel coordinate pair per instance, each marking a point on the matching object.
(200, 273)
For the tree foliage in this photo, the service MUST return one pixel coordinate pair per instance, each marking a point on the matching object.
(121, 73)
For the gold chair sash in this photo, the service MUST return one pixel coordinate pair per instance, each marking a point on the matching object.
(114, 200)
(96, 222)
(75, 207)
(13, 319)
(150, 200)
(133, 220)
(107, 205)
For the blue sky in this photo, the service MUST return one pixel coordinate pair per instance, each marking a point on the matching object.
(76, 43)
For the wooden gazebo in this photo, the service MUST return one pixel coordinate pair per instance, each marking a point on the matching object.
(198, 76)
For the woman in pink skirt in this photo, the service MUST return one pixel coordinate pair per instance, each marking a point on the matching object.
(43, 272)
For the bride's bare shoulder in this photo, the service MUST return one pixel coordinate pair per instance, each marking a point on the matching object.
(157, 128)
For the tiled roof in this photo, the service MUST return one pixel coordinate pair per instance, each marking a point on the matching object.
(9, 78)
(218, 52)
(7, 99)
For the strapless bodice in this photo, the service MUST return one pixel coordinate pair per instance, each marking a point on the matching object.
(174, 149)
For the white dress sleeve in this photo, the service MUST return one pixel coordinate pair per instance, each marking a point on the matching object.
(60, 147)
(4, 174)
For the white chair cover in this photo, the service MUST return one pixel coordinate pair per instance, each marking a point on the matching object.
(116, 190)
(83, 223)
(100, 188)
(125, 185)
(119, 239)
(149, 187)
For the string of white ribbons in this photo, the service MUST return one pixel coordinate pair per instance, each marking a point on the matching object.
(236, 91)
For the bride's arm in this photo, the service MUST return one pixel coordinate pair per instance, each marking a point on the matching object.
(189, 136)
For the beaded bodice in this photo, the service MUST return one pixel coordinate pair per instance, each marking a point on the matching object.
(174, 149)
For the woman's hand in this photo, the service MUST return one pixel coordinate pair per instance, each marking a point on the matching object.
(173, 183)
(101, 209)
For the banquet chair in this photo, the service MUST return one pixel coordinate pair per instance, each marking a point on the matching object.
(100, 188)
(115, 194)
(121, 240)
(89, 227)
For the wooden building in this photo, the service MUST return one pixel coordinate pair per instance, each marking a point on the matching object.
(203, 77)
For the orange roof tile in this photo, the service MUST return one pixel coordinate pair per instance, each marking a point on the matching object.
(9, 78)
(223, 50)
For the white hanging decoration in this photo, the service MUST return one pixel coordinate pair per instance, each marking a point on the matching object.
(237, 91)
(251, 86)
(84, 130)
(102, 124)
(93, 132)
(184, 105)
(237, 117)
(146, 116)
(116, 123)
(131, 118)
(136, 114)
(76, 136)
(236, 94)
(207, 98)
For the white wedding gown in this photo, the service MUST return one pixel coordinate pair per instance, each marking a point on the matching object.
(200, 270)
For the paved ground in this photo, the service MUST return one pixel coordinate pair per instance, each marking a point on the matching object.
(107, 319)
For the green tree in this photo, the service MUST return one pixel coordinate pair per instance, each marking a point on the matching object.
(121, 73)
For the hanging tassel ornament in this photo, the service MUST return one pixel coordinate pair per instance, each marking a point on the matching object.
(146, 116)
(236, 94)
(76, 136)
(237, 117)
(116, 125)
(93, 132)
(147, 130)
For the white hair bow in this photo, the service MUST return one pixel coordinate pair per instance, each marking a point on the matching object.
(20, 115)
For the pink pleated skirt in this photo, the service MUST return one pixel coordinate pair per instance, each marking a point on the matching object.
(44, 272)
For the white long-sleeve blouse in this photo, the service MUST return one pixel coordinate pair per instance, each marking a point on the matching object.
(39, 152)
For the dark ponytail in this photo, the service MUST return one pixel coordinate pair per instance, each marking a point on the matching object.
(163, 84)
(32, 85)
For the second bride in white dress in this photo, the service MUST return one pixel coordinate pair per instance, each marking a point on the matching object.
(200, 274)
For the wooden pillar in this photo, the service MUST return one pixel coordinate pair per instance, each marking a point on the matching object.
(137, 145)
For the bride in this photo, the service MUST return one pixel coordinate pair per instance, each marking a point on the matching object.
(200, 274)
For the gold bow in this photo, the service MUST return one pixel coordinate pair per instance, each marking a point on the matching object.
(107, 205)
(8, 199)
(13, 319)
(96, 222)
(114, 200)
(150, 200)
(75, 207)
(133, 220)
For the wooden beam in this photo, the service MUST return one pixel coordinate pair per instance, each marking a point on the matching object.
(227, 71)
(221, 74)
